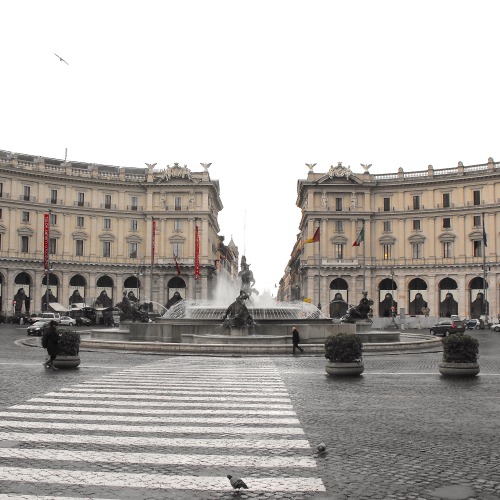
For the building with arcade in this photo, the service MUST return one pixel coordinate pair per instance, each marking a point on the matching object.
(145, 232)
(427, 242)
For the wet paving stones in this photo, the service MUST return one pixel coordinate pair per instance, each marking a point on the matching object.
(153, 427)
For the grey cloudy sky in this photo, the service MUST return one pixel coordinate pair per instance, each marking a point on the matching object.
(257, 88)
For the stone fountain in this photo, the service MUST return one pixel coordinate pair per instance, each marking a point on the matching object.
(252, 323)
(250, 318)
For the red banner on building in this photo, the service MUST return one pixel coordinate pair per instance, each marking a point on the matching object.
(46, 239)
(197, 255)
(153, 238)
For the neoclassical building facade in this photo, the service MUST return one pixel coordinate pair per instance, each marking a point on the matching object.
(430, 241)
(101, 242)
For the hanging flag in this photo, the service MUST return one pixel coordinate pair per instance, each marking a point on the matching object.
(197, 255)
(46, 238)
(315, 237)
(360, 238)
(485, 240)
(177, 265)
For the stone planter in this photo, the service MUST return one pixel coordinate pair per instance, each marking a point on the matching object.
(344, 369)
(458, 369)
(67, 362)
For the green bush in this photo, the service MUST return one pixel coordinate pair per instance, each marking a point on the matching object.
(343, 348)
(69, 342)
(460, 348)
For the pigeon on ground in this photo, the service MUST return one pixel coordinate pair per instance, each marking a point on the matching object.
(237, 483)
(321, 448)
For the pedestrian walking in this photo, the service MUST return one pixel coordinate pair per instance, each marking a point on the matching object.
(296, 340)
(50, 340)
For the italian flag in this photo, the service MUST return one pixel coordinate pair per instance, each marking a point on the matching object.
(360, 238)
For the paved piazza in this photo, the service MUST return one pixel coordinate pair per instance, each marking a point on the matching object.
(139, 426)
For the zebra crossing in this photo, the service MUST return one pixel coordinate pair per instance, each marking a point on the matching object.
(170, 429)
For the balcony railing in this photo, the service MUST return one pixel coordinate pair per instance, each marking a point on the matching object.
(339, 262)
(54, 201)
(23, 197)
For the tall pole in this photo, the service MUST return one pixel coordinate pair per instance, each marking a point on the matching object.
(195, 234)
(47, 259)
(485, 289)
(364, 256)
(319, 266)
(393, 312)
(153, 231)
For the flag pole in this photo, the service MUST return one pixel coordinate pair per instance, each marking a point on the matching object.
(153, 235)
(319, 267)
(364, 256)
(485, 290)
(47, 259)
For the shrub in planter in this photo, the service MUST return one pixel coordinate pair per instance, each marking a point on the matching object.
(343, 348)
(69, 342)
(460, 348)
(460, 354)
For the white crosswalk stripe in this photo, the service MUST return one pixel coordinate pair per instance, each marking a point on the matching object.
(157, 431)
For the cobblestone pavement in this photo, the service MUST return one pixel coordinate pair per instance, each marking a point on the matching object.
(138, 426)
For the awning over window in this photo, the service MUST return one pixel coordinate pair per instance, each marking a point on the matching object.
(57, 307)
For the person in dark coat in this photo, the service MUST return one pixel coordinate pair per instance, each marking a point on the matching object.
(50, 341)
(296, 340)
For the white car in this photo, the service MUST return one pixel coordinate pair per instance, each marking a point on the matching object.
(495, 327)
(66, 320)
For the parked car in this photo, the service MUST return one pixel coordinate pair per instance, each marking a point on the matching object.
(475, 324)
(495, 327)
(447, 326)
(67, 320)
(38, 328)
(83, 321)
(46, 316)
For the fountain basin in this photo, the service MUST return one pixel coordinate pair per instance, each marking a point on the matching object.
(237, 340)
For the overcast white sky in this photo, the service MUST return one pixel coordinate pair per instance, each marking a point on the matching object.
(256, 88)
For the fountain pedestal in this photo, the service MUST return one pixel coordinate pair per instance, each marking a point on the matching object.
(243, 331)
(363, 326)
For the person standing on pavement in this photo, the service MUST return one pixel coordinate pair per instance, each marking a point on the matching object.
(296, 340)
(50, 341)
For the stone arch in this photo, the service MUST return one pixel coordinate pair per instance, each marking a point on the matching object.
(339, 297)
(175, 284)
(53, 290)
(417, 297)
(387, 298)
(448, 305)
(104, 291)
(77, 288)
(132, 287)
(22, 291)
(479, 305)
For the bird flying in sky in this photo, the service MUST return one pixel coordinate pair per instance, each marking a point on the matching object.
(61, 59)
